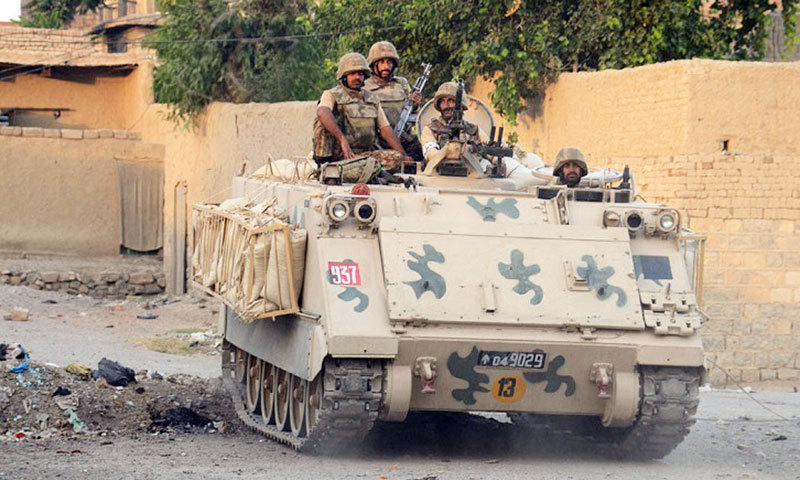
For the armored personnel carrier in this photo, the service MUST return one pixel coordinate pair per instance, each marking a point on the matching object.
(458, 294)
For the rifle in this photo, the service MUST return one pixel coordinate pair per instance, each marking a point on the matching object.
(406, 117)
(474, 151)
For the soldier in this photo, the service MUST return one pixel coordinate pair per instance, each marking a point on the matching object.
(350, 119)
(570, 166)
(392, 90)
(434, 135)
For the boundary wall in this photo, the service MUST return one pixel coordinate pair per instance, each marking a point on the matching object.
(59, 189)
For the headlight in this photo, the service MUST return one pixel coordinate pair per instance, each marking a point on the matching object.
(667, 222)
(633, 221)
(611, 219)
(338, 210)
(365, 211)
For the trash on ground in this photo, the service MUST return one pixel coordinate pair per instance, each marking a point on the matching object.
(79, 370)
(61, 392)
(10, 351)
(147, 316)
(114, 373)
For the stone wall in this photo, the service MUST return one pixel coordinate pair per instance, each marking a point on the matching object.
(750, 209)
(59, 189)
(114, 284)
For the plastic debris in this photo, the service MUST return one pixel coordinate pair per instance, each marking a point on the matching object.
(79, 370)
(21, 367)
(10, 351)
(61, 392)
(147, 316)
(114, 373)
(78, 425)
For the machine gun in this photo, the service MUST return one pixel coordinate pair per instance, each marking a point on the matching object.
(472, 152)
(406, 117)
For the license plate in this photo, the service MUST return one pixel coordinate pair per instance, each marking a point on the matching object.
(532, 360)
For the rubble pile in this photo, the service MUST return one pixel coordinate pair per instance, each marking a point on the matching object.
(38, 402)
(108, 284)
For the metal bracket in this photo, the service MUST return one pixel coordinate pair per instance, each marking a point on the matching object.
(602, 375)
(425, 369)
(575, 282)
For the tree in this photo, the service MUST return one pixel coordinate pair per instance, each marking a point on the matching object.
(523, 45)
(57, 13)
(236, 51)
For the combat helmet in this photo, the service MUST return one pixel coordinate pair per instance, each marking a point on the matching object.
(382, 49)
(352, 62)
(449, 89)
(570, 154)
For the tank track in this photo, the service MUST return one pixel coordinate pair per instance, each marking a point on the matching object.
(350, 405)
(670, 396)
(669, 399)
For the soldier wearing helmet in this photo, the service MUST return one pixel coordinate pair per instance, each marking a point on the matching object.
(434, 135)
(392, 90)
(570, 166)
(350, 119)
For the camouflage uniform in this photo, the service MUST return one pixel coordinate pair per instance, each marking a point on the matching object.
(434, 134)
(359, 116)
(393, 95)
(566, 155)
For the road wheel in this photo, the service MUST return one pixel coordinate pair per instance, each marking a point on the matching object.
(282, 396)
(297, 405)
(240, 360)
(267, 392)
(314, 403)
(253, 382)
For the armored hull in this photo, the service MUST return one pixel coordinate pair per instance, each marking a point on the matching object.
(462, 295)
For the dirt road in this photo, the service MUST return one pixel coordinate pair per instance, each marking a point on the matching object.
(734, 438)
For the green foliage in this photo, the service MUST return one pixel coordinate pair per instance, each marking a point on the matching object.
(523, 45)
(202, 56)
(57, 13)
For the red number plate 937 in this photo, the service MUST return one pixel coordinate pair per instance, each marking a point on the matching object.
(344, 274)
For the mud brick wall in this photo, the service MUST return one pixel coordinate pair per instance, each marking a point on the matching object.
(749, 207)
(108, 284)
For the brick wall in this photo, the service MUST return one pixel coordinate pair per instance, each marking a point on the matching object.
(749, 206)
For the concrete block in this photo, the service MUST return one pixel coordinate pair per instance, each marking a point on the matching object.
(11, 131)
(750, 375)
(780, 326)
(108, 277)
(105, 133)
(50, 277)
(768, 374)
(18, 315)
(83, 289)
(141, 278)
(134, 135)
(788, 374)
(67, 277)
(71, 134)
(32, 132)
(90, 134)
(151, 289)
(121, 134)
(52, 133)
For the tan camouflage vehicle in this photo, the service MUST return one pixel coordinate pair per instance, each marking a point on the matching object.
(455, 294)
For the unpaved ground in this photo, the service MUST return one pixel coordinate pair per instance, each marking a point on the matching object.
(734, 437)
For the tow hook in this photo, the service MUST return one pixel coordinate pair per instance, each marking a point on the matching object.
(425, 369)
(601, 376)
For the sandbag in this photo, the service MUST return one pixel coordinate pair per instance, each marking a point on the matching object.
(277, 288)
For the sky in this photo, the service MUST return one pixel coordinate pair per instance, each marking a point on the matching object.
(9, 9)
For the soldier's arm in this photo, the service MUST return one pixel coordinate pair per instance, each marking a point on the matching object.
(326, 118)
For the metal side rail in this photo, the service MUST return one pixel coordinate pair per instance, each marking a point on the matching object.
(350, 404)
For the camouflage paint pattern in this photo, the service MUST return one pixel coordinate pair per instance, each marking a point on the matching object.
(597, 280)
(464, 368)
(489, 212)
(517, 270)
(429, 280)
(553, 379)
